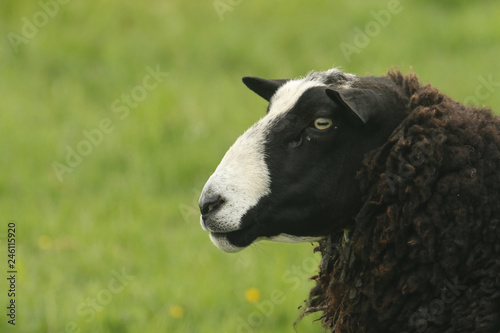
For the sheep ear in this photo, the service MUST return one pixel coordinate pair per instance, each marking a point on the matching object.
(263, 87)
(362, 103)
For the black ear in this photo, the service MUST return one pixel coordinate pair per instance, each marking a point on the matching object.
(363, 104)
(262, 87)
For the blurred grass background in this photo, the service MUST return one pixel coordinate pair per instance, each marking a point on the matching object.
(129, 208)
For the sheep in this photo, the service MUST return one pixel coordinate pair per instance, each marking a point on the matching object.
(399, 184)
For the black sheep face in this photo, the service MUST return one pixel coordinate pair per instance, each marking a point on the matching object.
(291, 176)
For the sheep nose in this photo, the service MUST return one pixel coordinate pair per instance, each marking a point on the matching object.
(209, 204)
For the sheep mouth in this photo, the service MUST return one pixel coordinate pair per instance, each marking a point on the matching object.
(239, 238)
(215, 226)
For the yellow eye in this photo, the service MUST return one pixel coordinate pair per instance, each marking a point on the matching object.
(323, 123)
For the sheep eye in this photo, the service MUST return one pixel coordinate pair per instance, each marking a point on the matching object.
(323, 123)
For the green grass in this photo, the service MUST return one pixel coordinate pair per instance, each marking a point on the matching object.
(131, 203)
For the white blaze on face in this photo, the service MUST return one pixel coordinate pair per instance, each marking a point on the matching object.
(242, 178)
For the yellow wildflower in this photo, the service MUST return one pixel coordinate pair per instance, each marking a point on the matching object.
(252, 295)
(177, 311)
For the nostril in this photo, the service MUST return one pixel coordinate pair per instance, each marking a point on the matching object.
(210, 204)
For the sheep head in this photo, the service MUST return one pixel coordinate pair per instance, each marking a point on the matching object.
(291, 177)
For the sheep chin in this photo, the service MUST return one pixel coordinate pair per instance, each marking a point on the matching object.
(220, 240)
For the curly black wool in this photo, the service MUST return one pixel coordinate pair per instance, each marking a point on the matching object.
(423, 253)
